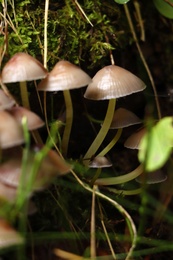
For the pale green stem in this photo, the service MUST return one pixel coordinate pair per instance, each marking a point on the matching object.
(69, 121)
(112, 143)
(25, 103)
(102, 133)
(24, 94)
(120, 179)
(97, 174)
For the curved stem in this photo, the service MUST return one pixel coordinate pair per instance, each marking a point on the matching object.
(120, 179)
(24, 94)
(69, 121)
(112, 143)
(126, 215)
(102, 133)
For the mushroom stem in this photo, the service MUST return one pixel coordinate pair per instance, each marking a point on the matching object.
(112, 143)
(69, 121)
(102, 133)
(24, 94)
(120, 179)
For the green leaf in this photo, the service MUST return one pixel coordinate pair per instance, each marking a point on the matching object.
(121, 1)
(156, 145)
(164, 8)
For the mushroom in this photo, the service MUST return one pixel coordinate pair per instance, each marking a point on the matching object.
(9, 236)
(11, 133)
(109, 83)
(98, 162)
(64, 77)
(5, 101)
(7, 192)
(152, 177)
(12, 171)
(33, 120)
(122, 118)
(21, 68)
(133, 140)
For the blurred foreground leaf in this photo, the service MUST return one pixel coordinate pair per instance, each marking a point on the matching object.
(156, 145)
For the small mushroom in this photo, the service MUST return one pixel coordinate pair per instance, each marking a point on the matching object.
(11, 133)
(7, 192)
(5, 101)
(100, 162)
(152, 177)
(133, 140)
(51, 167)
(33, 120)
(124, 118)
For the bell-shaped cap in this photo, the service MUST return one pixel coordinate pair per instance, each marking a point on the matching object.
(124, 118)
(51, 167)
(152, 177)
(113, 82)
(100, 162)
(64, 76)
(22, 67)
(11, 133)
(33, 120)
(5, 101)
(7, 193)
(133, 141)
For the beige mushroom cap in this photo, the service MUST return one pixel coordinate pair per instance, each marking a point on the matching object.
(133, 141)
(113, 82)
(33, 120)
(11, 132)
(51, 167)
(22, 67)
(100, 162)
(124, 118)
(5, 101)
(64, 76)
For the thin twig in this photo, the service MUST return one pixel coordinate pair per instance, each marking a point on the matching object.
(142, 58)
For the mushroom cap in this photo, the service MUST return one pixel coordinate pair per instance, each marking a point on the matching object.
(100, 162)
(33, 120)
(9, 236)
(22, 67)
(124, 118)
(11, 133)
(152, 177)
(51, 167)
(133, 140)
(5, 101)
(113, 82)
(7, 192)
(64, 76)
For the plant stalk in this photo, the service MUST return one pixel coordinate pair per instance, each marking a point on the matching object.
(102, 133)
